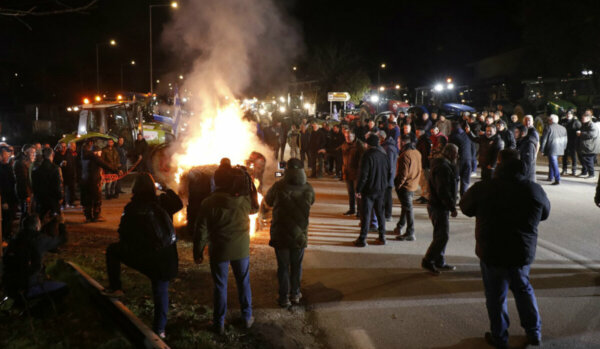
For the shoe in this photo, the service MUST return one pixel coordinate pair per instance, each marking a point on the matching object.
(563, 173)
(99, 219)
(284, 303)
(397, 231)
(555, 183)
(534, 340)
(421, 200)
(162, 335)
(589, 176)
(380, 241)
(296, 299)
(350, 213)
(109, 292)
(446, 267)
(218, 329)
(430, 267)
(373, 228)
(360, 243)
(582, 174)
(406, 237)
(248, 323)
(491, 341)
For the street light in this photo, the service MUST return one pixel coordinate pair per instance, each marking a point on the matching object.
(174, 5)
(112, 42)
(381, 66)
(294, 68)
(438, 87)
(132, 63)
(450, 86)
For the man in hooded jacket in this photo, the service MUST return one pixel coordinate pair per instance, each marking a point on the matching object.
(291, 199)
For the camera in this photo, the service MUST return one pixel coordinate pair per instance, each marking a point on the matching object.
(280, 169)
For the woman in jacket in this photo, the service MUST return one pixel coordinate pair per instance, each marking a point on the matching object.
(146, 221)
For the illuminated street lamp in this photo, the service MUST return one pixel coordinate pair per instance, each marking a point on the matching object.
(397, 87)
(173, 5)
(450, 86)
(294, 68)
(382, 88)
(374, 98)
(438, 87)
(180, 77)
(381, 67)
(112, 42)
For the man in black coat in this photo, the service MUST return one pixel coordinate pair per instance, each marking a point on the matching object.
(373, 179)
(10, 203)
(508, 209)
(67, 162)
(459, 138)
(506, 135)
(141, 151)
(22, 178)
(47, 182)
(489, 147)
(527, 149)
(316, 149)
(442, 204)
(91, 182)
(572, 124)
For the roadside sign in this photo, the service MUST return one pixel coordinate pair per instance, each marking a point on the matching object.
(338, 96)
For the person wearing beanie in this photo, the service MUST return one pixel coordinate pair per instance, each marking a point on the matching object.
(373, 179)
(223, 224)
(291, 198)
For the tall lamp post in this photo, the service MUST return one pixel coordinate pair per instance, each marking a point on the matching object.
(132, 63)
(110, 43)
(381, 67)
(174, 5)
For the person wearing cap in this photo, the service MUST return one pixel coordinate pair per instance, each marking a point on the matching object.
(291, 198)
(373, 179)
(224, 226)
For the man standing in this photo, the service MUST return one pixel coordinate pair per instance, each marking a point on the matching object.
(508, 209)
(223, 225)
(373, 180)
(589, 144)
(334, 151)
(91, 182)
(47, 182)
(293, 140)
(391, 150)
(111, 157)
(444, 125)
(142, 153)
(23, 180)
(459, 138)
(527, 148)
(572, 125)
(489, 147)
(506, 135)
(424, 147)
(304, 142)
(316, 149)
(67, 162)
(406, 182)
(442, 204)
(553, 144)
(291, 199)
(10, 203)
(351, 159)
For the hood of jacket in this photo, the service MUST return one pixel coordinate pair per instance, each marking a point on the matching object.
(295, 176)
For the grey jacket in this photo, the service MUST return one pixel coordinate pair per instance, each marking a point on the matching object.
(589, 140)
(554, 140)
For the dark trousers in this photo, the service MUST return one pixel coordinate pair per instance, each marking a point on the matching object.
(464, 176)
(289, 271)
(110, 190)
(316, 164)
(570, 153)
(219, 272)
(70, 192)
(351, 188)
(407, 216)
(587, 164)
(440, 219)
(25, 207)
(304, 154)
(160, 293)
(369, 203)
(473, 157)
(388, 202)
(553, 171)
(486, 173)
(496, 282)
(8, 217)
(338, 163)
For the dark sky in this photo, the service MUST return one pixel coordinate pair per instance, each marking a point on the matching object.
(420, 41)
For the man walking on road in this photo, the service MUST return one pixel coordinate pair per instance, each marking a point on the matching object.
(406, 182)
(291, 199)
(442, 204)
(553, 144)
(508, 209)
(373, 179)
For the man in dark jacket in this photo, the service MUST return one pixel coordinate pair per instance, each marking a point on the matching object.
(223, 225)
(589, 144)
(47, 182)
(572, 124)
(489, 147)
(442, 204)
(111, 157)
(351, 151)
(506, 135)
(553, 144)
(304, 142)
(91, 182)
(122, 151)
(508, 209)
(424, 146)
(408, 173)
(291, 199)
(334, 151)
(526, 147)
(23, 180)
(141, 152)
(10, 203)
(459, 138)
(475, 127)
(67, 162)
(316, 149)
(373, 179)
(391, 149)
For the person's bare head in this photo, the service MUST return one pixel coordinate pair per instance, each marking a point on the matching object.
(315, 126)
(553, 119)
(350, 136)
(121, 141)
(514, 118)
(73, 146)
(587, 116)
(62, 147)
(528, 121)
(450, 152)
(406, 129)
(490, 131)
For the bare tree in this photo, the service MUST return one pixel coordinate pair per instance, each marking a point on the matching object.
(45, 8)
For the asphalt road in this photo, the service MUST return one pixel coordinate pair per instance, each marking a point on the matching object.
(379, 297)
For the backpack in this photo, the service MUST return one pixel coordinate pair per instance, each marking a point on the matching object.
(161, 226)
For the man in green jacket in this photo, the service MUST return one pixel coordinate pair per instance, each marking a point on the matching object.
(291, 198)
(223, 224)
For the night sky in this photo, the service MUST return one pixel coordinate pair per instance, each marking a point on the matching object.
(420, 41)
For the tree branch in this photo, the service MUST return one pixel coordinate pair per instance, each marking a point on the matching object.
(32, 11)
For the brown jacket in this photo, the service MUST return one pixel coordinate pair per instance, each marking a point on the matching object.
(409, 169)
(351, 159)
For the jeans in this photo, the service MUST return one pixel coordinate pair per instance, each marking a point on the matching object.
(294, 152)
(241, 271)
(464, 176)
(407, 215)
(160, 293)
(496, 282)
(304, 154)
(110, 189)
(281, 151)
(351, 187)
(369, 203)
(554, 172)
(70, 192)
(474, 148)
(587, 164)
(289, 271)
(571, 153)
(441, 227)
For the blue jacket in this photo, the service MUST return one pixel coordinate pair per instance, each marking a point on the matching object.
(459, 138)
(391, 149)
